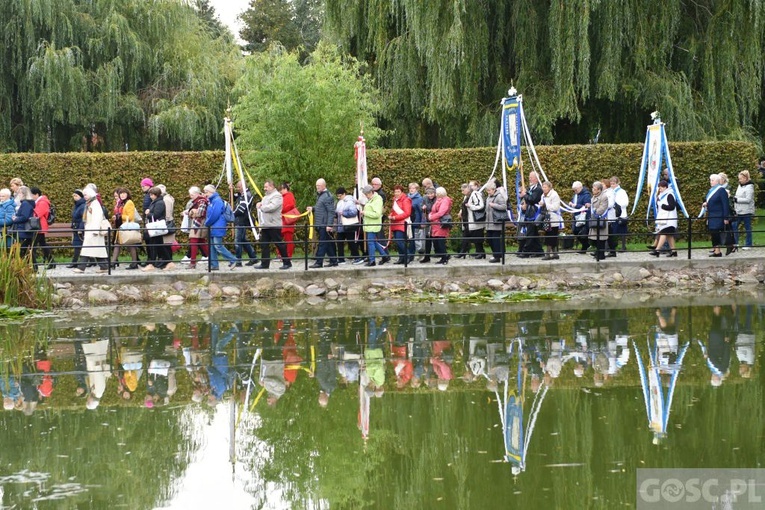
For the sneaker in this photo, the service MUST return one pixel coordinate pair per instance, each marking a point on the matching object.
(252, 262)
(185, 260)
(78, 270)
(203, 259)
(232, 265)
(358, 262)
(746, 247)
(170, 265)
(149, 268)
(286, 265)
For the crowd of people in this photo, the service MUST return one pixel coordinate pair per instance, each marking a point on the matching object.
(417, 224)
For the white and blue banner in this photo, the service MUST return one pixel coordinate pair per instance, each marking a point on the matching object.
(510, 141)
(655, 158)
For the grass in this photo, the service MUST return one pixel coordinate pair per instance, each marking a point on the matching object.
(19, 284)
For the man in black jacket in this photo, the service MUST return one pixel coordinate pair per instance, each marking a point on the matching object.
(324, 219)
(244, 220)
(531, 244)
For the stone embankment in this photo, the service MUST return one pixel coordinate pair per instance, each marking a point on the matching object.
(661, 278)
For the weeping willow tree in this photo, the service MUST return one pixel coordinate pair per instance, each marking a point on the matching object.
(106, 74)
(583, 65)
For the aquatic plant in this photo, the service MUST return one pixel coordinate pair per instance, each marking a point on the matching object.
(19, 282)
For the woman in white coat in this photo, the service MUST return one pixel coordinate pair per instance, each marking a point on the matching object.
(94, 239)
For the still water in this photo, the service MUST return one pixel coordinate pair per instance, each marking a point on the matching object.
(533, 406)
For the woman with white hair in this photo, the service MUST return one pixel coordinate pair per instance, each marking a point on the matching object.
(439, 229)
(94, 239)
(717, 208)
(197, 212)
(21, 228)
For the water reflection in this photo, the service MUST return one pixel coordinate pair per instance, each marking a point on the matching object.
(357, 410)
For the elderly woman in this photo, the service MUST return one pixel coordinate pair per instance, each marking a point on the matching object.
(348, 226)
(372, 214)
(718, 210)
(666, 218)
(427, 205)
(743, 203)
(473, 215)
(197, 213)
(439, 230)
(157, 258)
(551, 202)
(496, 215)
(24, 211)
(598, 226)
(7, 210)
(94, 239)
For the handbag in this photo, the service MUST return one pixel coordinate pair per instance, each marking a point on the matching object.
(185, 224)
(500, 216)
(156, 228)
(291, 217)
(33, 223)
(596, 222)
(445, 221)
(129, 236)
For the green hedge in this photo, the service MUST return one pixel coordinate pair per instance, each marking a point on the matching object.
(59, 174)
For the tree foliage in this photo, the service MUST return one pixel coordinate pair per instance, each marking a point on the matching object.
(443, 65)
(302, 120)
(295, 24)
(106, 74)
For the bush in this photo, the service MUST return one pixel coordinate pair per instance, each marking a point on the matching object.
(59, 174)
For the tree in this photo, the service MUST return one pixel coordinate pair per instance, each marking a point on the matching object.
(111, 74)
(294, 24)
(209, 17)
(442, 66)
(303, 120)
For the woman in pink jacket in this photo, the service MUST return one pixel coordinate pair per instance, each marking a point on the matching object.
(441, 221)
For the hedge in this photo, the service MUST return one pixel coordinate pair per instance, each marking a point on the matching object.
(58, 175)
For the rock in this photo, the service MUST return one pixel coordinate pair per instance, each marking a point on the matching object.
(314, 300)
(372, 291)
(214, 290)
(644, 273)
(495, 284)
(180, 286)
(73, 302)
(435, 285)
(315, 290)
(64, 293)
(618, 277)
(65, 285)
(205, 280)
(231, 291)
(100, 296)
(475, 283)
(331, 284)
(203, 295)
(353, 292)
(332, 294)
(130, 293)
(524, 282)
(512, 282)
(174, 299)
(264, 285)
(532, 285)
(379, 284)
(747, 279)
(452, 287)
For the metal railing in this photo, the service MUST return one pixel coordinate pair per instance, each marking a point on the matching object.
(691, 231)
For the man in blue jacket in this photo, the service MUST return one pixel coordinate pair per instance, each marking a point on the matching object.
(216, 222)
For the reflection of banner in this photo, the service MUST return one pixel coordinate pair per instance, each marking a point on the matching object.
(655, 157)
(658, 405)
(514, 430)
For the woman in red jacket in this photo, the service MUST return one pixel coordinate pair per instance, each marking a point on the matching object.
(401, 222)
(288, 226)
(439, 229)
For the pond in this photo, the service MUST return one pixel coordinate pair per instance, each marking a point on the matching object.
(536, 405)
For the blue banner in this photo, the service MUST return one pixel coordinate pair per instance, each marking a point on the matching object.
(511, 143)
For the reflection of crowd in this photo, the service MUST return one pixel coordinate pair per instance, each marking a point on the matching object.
(264, 359)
